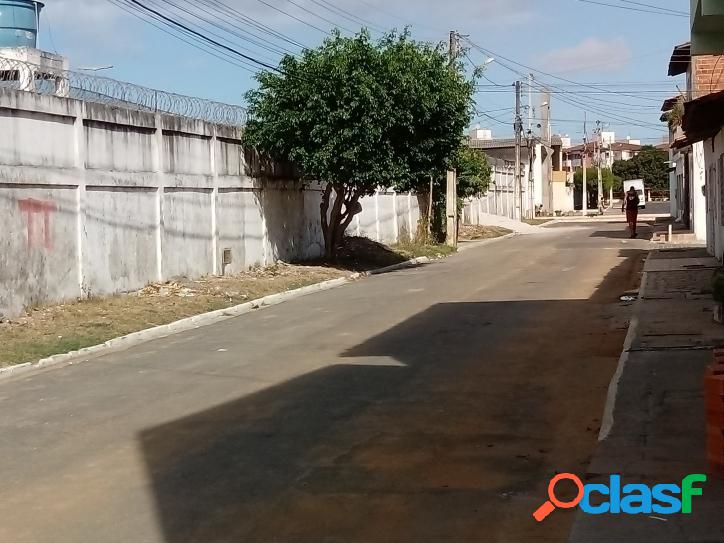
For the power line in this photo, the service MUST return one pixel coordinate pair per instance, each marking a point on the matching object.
(203, 37)
(234, 31)
(348, 15)
(235, 14)
(634, 9)
(571, 101)
(195, 44)
(497, 56)
(313, 14)
(679, 12)
(306, 23)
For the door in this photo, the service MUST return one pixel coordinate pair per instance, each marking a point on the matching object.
(686, 217)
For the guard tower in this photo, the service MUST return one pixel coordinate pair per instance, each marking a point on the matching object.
(22, 65)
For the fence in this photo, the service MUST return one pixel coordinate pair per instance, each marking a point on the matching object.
(25, 76)
(97, 200)
(499, 199)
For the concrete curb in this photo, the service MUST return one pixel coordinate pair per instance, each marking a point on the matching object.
(191, 323)
(483, 242)
(401, 266)
(607, 421)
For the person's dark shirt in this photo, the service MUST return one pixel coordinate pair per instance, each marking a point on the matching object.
(632, 202)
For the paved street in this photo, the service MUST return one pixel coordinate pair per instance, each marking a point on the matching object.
(428, 405)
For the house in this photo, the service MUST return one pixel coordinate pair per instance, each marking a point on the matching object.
(610, 150)
(539, 161)
(704, 76)
(703, 127)
(696, 124)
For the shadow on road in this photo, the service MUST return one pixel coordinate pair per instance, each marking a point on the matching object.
(446, 427)
(644, 231)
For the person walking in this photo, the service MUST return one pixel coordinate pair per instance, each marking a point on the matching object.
(631, 206)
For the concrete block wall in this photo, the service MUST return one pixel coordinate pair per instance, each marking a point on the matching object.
(499, 200)
(97, 200)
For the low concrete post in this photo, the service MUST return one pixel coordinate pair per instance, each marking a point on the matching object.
(451, 205)
(395, 221)
(377, 216)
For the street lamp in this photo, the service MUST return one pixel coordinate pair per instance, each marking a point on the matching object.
(95, 68)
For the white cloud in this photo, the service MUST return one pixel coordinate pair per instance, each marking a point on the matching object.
(605, 55)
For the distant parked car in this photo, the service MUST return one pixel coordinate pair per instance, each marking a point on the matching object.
(638, 184)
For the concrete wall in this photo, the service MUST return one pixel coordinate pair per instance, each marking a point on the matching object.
(97, 200)
(562, 197)
(714, 158)
(500, 198)
(698, 199)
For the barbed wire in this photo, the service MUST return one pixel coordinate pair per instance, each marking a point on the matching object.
(24, 76)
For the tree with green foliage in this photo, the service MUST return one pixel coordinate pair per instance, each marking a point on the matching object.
(473, 172)
(649, 165)
(610, 180)
(439, 102)
(358, 115)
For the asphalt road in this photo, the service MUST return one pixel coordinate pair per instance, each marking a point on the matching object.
(428, 405)
(652, 208)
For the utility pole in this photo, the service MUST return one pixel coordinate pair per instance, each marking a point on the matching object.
(585, 159)
(530, 102)
(531, 146)
(454, 47)
(599, 142)
(518, 141)
(451, 200)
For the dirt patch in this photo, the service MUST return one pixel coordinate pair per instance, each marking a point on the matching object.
(536, 222)
(472, 233)
(363, 254)
(45, 331)
(55, 329)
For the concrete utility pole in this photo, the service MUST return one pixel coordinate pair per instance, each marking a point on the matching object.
(599, 144)
(454, 47)
(584, 207)
(518, 141)
(530, 102)
(451, 200)
(531, 146)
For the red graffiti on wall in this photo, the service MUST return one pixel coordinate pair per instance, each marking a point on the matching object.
(37, 213)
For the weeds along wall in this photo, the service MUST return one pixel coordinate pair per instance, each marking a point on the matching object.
(97, 200)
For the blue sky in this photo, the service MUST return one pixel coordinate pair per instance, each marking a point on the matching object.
(578, 41)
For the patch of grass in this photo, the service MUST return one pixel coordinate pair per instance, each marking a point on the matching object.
(414, 250)
(50, 330)
(474, 233)
(536, 222)
(55, 329)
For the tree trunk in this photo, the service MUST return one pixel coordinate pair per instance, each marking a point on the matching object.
(424, 224)
(324, 216)
(335, 221)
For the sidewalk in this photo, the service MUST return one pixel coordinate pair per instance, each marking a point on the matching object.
(658, 432)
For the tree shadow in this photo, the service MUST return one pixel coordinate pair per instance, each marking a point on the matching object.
(412, 435)
(361, 254)
(644, 231)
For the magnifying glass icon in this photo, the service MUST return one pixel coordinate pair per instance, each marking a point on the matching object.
(548, 507)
